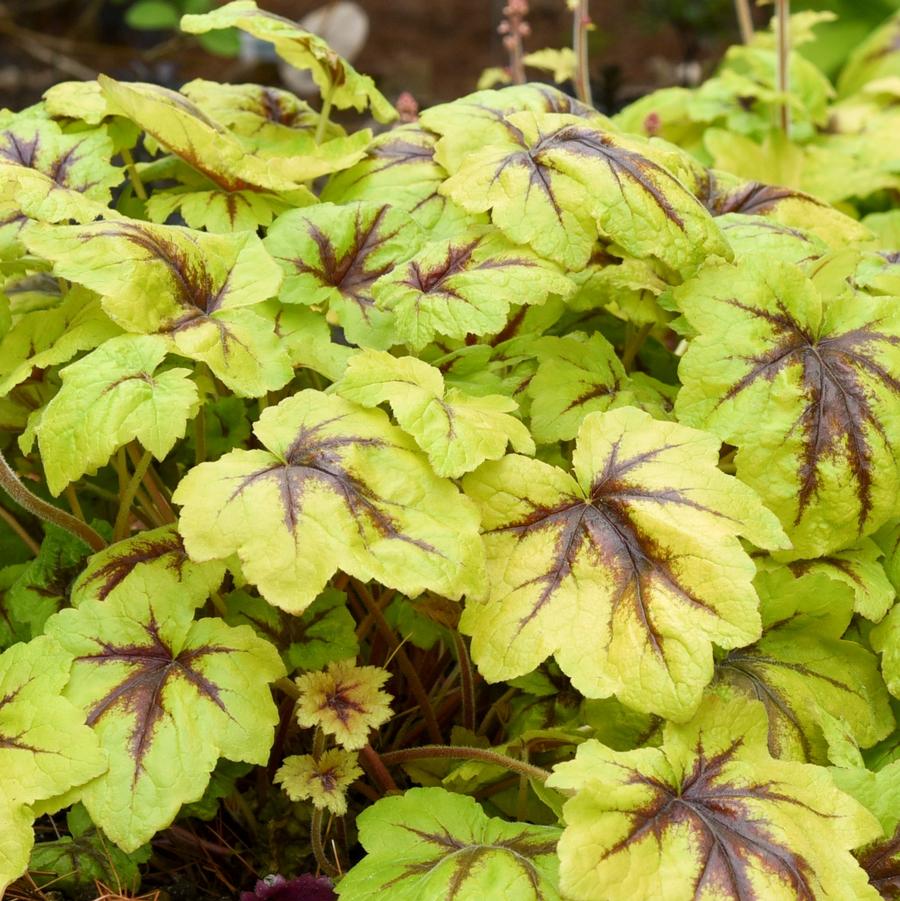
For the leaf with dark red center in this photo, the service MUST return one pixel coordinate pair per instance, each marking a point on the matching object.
(626, 571)
(880, 793)
(434, 844)
(465, 286)
(806, 385)
(400, 165)
(204, 293)
(709, 815)
(45, 748)
(52, 176)
(167, 696)
(557, 182)
(801, 668)
(723, 194)
(156, 557)
(337, 486)
(334, 254)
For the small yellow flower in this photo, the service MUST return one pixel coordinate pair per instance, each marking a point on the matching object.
(344, 701)
(323, 781)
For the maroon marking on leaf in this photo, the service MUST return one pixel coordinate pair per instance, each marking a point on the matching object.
(596, 391)
(603, 526)
(838, 400)
(881, 860)
(13, 742)
(457, 260)
(105, 579)
(18, 150)
(140, 694)
(801, 567)
(465, 857)
(752, 199)
(350, 272)
(398, 152)
(313, 458)
(732, 836)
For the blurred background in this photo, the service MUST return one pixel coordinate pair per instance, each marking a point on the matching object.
(435, 49)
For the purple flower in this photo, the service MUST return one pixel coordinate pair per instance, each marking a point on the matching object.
(303, 888)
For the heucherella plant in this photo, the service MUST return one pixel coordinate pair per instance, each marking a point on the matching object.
(503, 504)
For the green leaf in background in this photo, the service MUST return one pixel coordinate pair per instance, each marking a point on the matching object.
(457, 431)
(631, 565)
(431, 843)
(167, 696)
(708, 814)
(152, 15)
(337, 486)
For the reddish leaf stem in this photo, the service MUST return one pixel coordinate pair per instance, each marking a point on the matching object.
(581, 23)
(372, 762)
(448, 752)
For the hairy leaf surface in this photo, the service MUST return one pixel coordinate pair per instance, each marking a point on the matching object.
(626, 571)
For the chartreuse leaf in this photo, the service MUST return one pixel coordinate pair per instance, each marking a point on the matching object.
(324, 633)
(555, 181)
(880, 793)
(339, 82)
(108, 398)
(55, 176)
(627, 571)
(860, 568)
(157, 558)
(306, 336)
(580, 374)
(801, 667)
(273, 122)
(400, 164)
(345, 701)
(323, 780)
(333, 255)
(874, 58)
(45, 748)
(465, 285)
(431, 843)
(81, 859)
(43, 586)
(805, 386)
(708, 815)
(167, 696)
(198, 290)
(47, 337)
(336, 486)
(885, 639)
(457, 431)
(888, 540)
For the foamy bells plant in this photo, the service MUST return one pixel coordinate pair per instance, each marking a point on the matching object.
(508, 484)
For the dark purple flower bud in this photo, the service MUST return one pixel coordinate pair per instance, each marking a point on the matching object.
(303, 888)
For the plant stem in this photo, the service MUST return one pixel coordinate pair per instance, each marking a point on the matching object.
(494, 710)
(783, 19)
(409, 671)
(133, 175)
(634, 341)
(74, 505)
(324, 114)
(581, 21)
(372, 760)
(120, 530)
(11, 484)
(513, 28)
(200, 437)
(745, 20)
(448, 752)
(19, 529)
(152, 482)
(467, 681)
(318, 849)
